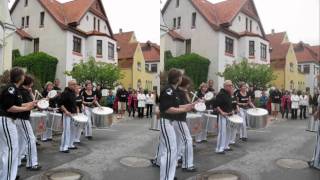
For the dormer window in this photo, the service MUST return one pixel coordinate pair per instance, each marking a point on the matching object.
(94, 23)
(179, 22)
(99, 25)
(239, 18)
(250, 25)
(247, 24)
(41, 19)
(177, 3)
(87, 18)
(194, 18)
(174, 22)
(22, 22)
(27, 21)
(26, 3)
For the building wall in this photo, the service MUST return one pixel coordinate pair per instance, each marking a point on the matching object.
(126, 81)
(279, 82)
(87, 24)
(155, 76)
(240, 25)
(311, 78)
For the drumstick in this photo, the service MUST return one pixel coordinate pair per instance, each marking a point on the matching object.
(194, 96)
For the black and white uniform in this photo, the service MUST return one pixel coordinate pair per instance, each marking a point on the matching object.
(88, 110)
(27, 140)
(68, 100)
(224, 102)
(184, 139)
(168, 154)
(9, 146)
(243, 113)
(79, 128)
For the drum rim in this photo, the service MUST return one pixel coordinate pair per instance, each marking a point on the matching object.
(260, 109)
(200, 110)
(94, 111)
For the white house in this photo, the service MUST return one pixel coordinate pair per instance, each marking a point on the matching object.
(223, 32)
(6, 30)
(308, 63)
(70, 31)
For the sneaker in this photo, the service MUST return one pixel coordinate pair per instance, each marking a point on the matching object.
(190, 169)
(72, 148)
(34, 168)
(66, 151)
(89, 137)
(228, 149)
(222, 152)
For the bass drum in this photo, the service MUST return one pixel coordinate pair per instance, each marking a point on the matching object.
(102, 117)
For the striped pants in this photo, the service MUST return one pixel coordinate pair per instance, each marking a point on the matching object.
(27, 143)
(9, 149)
(168, 155)
(316, 155)
(184, 143)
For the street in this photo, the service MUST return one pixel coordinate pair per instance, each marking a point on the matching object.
(255, 159)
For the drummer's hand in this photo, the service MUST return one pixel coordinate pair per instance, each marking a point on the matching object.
(68, 113)
(224, 114)
(189, 107)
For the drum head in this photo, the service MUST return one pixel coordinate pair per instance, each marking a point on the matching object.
(193, 115)
(102, 111)
(37, 114)
(236, 119)
(43, 104)
(80, 118)
(257, 112)
(200, 107)
(208, 96)
(52, 94)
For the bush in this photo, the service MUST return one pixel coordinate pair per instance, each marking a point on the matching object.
(194, 65)
(40, 65)
(15, 54)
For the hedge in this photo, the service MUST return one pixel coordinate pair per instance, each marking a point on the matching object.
(40, 64)
(194, 65)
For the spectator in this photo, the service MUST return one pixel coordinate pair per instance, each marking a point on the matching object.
(110, 99)
(203, 89)
(285, 104)
(294, 104)
(275, 97)
(303, 103)
(122, 96)
(263, 100)
(210, 86)
(56, 85)
(251, 93)
(150, 101)
(98, 92)
(141, 103)
(132, 103)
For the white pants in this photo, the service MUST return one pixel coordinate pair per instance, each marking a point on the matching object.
(202, 136)
(159, 149)
(316, 154)
(168, 155)
(88, 126)
(27, 143)
(47, 134)
(184, 143)
(68, 134)
(9, 149)
(78, 130)
(243, 128)
(223, 135)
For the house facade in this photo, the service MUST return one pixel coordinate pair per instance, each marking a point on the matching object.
(6, 39)
(71, 31)
(132, 63)
(284, 63)
(308, 63)
(224, 32)
(151, 54)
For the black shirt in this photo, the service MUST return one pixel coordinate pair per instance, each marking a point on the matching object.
(234, 103)
(243, 99)
(168, 98)
(224, 101)
(68, 100)
(88, 98)
(79, 103)
(183, 100)
(26, 98)
(10, 96)
(122, 95)
(275, 97)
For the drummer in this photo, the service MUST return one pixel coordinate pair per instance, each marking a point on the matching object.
(27, 140)
(225, 109)
(68, 106)
(89, 99)
(244, 102)
(315, 162)
(169, 108)
(202, 136)
(11, 104)
(80, 107)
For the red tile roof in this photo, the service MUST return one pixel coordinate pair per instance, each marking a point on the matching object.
(279, 49)
(220, 15)
(316, 49)
(175, 35)
(126, 48)
(68, 15)
(151, 51)
(23, 34)
(276, 38)
(306, 53)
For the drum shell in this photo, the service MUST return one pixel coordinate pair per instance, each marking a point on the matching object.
(55, 121)
(35, 122)
(257, 122)
(155, 124)
(102, 121)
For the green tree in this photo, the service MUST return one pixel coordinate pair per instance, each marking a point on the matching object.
(105, 74)
(257, 75)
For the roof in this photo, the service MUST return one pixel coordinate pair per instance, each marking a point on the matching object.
(279, 49)
(175, 35)
(276, 38)
(220, 15)
(151, 51)
(23, 34)
(126, 48)
(306, 53)
(69, 14)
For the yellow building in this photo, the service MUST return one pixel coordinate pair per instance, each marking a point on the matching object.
(284, 63)
(132, 63)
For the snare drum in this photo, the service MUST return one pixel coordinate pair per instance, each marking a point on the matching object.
(200, 107)
(38, 122)
(195, 124)
(235, 121)
(80, 120)
(102, 117)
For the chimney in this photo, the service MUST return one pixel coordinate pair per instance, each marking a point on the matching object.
(272, 31)
(120, 30)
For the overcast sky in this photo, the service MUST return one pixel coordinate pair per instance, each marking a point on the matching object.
(300, 18)
(142, 16)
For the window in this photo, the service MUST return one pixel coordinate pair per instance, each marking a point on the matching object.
(26, 3)
(174, 22)
(299, 68)
(146, 66)
(263, 51)
(239, 18)
(76, 44)
(306, 69)
(42, 19)
(177, 3)
(229, 46)
(36, 45)
(94, 23)
(246, 24)
(250, 25)
(188, 46)
(99, 25)
(87, 18)
(179, 22)
(110, 50)
(291, 67)
(27, 21)
(139, 66)
(154, 68)
(22, 22)
(194, 18)
(99, 47)
(251, 49)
